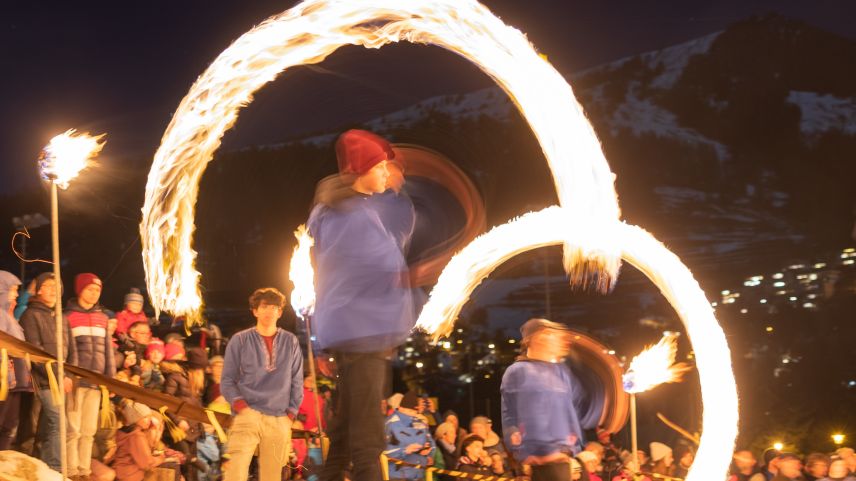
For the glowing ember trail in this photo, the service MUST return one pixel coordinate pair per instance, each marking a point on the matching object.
(587, 223)
(67, 154)
(302, 274)
(654, 366)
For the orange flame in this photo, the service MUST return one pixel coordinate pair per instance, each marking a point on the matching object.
(654, 366)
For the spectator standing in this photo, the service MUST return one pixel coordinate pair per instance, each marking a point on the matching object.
(39, 326)
(262, 381)
(19, 373)
(790, 468)
(408, 438)
(662, 458)
(91, 337)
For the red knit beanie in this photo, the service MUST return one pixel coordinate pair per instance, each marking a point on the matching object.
(155, 345)
(170, 350)
(359, 150)
(82, 281)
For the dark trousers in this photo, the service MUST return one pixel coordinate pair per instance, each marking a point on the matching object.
(9, 415)
(30, 409)
(357, 431)
(551, 472)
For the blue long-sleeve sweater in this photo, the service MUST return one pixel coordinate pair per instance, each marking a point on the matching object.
(539, 401)
(272, 385)
(363, 298)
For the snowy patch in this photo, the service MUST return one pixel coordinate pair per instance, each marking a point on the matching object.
(15, 466)
(642, 116)
(822, 113)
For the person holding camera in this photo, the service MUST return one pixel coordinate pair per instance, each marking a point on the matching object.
(408, 438)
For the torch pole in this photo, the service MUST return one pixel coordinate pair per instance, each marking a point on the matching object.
(60, 330)
(633, 439)
(307, 318)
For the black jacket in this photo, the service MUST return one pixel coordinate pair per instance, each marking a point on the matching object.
(39, 326)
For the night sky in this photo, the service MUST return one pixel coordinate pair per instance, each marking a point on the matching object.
(122, 67)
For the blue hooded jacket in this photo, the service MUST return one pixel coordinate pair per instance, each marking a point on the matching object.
(363, 298)
(8, 324)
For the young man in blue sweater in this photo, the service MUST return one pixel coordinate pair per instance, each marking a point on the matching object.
(364, 307)
(540, 403)
(263, 382)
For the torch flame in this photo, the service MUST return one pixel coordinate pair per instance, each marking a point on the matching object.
(302, 274)
(654, 366)
(67, 154)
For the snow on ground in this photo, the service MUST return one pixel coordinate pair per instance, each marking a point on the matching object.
(822, 113)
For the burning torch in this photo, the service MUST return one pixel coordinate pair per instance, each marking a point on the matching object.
(61, 161)
(650, 368)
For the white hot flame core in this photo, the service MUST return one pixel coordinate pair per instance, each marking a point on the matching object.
(67, 154)
(654, 366)
(587, 223)
(302, 274)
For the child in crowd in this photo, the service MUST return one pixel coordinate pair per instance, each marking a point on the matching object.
(132, 313)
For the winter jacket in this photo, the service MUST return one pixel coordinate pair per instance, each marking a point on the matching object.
(272, 385)
(539, 402)
(363, 298)
(39, 326)
(176, 382)
(126, 319)
(397, 214)
(19, 376)
(92, 339)
(133, 455)
(23, 302)
(402, 430)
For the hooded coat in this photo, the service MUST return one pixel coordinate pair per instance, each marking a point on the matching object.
(20, 375)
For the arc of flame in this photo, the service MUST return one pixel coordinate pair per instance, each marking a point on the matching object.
(67, 154)
(309, 32)
(655, 365)
(302, 274)
(543, 228)
(586, 223)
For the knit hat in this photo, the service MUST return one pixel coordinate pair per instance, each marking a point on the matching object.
(481, 420)
(170, 350)
(395, 400)
(133, 412)
(587, 456)
(357, 151)
(134, 296)
(659, 451)
(410, 400)
(82, 281)
(155, 345)
(41, 278)
(534, 325)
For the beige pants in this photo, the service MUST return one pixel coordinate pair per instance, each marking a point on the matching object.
(270, 434)
(82, 414)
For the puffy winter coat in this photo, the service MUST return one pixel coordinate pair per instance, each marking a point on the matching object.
(92, 338)
(40, 330)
